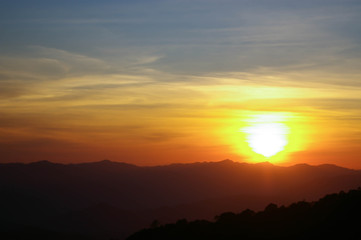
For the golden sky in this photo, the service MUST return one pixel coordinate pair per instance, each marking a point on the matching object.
(180, 81)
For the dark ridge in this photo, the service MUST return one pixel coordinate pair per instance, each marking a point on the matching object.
(334, 167)
(43, 163)
(225, 162)
(265, 164)
(106, 162)
(57, 196)
(335, 216)
(302, 165)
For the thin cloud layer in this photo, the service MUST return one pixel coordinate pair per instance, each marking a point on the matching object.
(184, 72)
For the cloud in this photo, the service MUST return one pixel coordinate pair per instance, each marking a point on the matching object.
(192, 38)
(12, 89)
(121, 75)
(30, 74)
(173, 41)
(341, 107)
(73, 63)
(162, 136)
(56, 74)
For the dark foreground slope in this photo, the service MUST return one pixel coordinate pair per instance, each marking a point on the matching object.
(335, 216)
(109, 199)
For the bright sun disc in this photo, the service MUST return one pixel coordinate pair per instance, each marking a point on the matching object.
(267, 138)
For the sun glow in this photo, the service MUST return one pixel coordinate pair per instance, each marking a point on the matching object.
(274, 137)
(267, 138)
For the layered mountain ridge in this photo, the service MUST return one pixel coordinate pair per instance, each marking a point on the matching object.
(69, 197)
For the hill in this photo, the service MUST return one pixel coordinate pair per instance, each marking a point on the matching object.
(335, 216)
(95, 198)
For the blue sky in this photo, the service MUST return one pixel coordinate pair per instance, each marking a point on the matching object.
(184, 35)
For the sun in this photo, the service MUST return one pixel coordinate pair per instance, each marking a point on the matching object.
(267, 139)
(267, 136)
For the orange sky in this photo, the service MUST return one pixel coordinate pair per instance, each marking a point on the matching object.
(144, 84)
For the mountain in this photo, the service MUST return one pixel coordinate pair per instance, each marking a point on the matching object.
(335, 216)
(95, 198)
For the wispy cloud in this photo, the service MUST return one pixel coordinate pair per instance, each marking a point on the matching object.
(176, 71)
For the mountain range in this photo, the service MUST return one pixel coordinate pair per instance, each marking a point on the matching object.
(106, 199)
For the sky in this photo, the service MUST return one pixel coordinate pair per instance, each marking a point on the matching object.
(160, 82)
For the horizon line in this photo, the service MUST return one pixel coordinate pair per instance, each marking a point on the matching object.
(181, 163)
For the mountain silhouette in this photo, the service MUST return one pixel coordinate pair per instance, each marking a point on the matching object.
(335, 216)
(94, 198)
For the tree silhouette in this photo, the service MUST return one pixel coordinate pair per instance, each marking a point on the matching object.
(333, 216)
(155, 224)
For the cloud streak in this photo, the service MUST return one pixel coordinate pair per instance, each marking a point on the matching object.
(157, 76)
